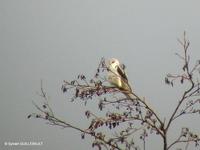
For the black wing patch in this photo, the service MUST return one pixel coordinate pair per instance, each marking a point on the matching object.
(122, 74)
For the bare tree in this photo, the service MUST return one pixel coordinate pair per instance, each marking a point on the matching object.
(131, 117)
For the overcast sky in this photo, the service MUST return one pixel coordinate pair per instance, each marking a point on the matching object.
(56, 40)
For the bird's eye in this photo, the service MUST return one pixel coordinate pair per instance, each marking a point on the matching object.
(113, 62)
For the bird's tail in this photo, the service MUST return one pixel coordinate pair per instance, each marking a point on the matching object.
(129, 95)
(134, 98)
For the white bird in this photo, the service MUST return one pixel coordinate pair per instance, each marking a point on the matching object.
(117, 75)
(118, 78)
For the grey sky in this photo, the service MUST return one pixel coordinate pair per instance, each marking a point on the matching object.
(56, 40)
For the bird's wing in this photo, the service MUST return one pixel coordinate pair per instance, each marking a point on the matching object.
(122, 73)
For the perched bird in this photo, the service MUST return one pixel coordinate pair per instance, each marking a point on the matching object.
(117, 75)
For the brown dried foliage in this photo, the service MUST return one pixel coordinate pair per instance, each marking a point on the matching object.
(131, 118)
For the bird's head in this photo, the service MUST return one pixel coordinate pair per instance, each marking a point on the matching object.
(114, 63)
